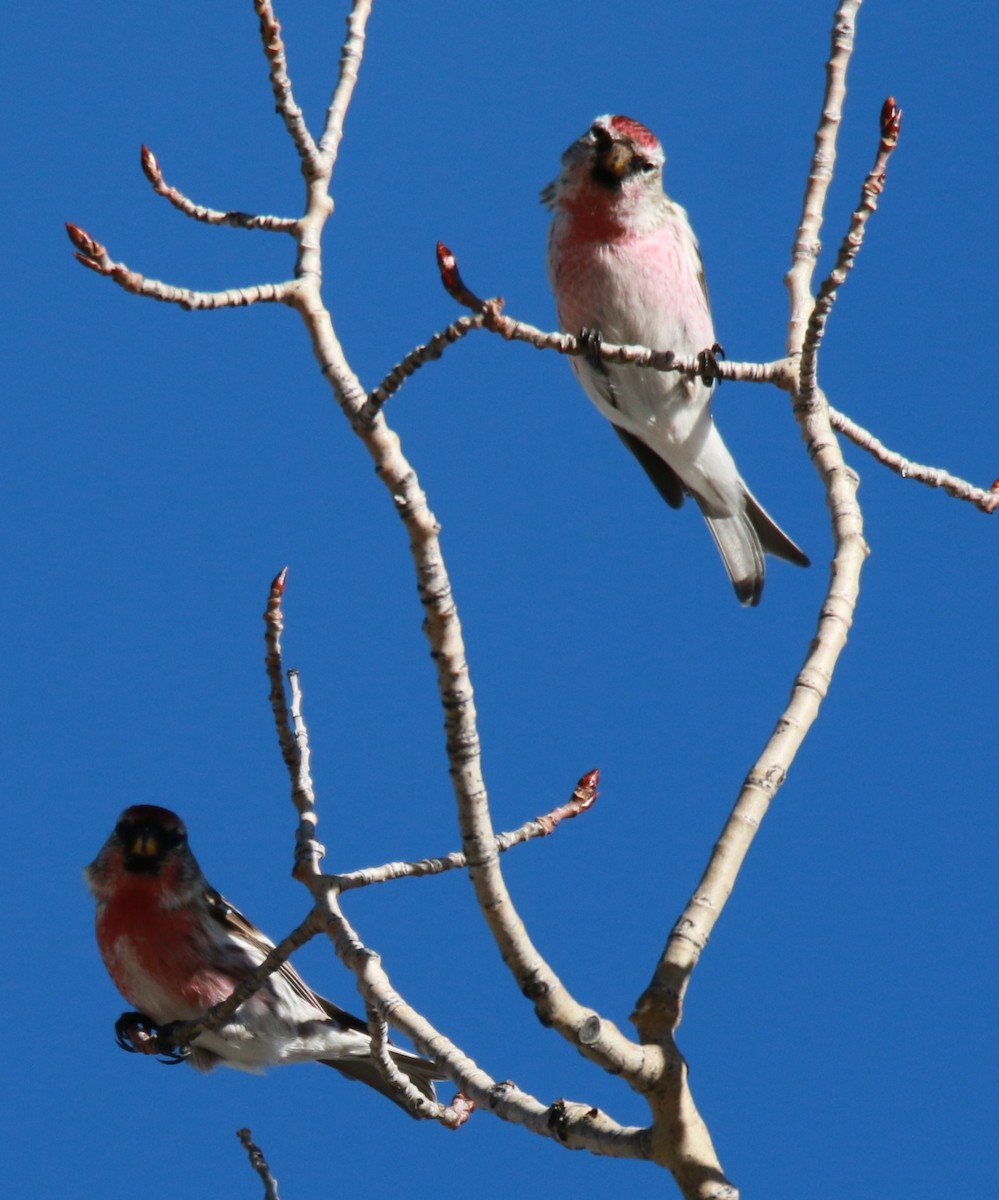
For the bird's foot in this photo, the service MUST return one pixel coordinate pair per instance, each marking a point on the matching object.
(136, 1033)
(707, 362)
(590, 340)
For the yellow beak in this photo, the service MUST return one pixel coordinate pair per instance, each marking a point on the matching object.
(617, 159)
(145, 846)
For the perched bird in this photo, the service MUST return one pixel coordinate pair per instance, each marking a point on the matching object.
(174, 947)
(625, 267)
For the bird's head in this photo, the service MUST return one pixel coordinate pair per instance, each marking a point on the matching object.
(616, 165)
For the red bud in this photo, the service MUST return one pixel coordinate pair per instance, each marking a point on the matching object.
(891, 119)
(150, 166)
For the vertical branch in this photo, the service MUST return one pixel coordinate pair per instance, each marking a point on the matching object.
(290, 113)
(659, 1010)
(805, 252)
(292, 735)
(350, 62)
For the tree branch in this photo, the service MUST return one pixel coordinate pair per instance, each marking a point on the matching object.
(805, 251)
(259, 1163)
(581, 800)
(936, 477)
(350, 64)
(891, 120)
(492, 318)
(210, 216)
(91, 253)
(287, 108)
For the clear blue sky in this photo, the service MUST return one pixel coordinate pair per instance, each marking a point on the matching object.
(161, 467)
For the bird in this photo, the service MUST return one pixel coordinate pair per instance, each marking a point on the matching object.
(174, 947)
(625, 267)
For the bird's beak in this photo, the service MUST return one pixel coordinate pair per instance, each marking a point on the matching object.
(145, 846)
(617, 159)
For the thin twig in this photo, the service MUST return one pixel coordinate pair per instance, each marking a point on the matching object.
(582, 799)
(288, 110)
(293, 736)
(873, 186)
(91, 253)
(805, 251)
(936, 477)
(181, 1034)
(432, 349)
(350, 63)
(209, 216)
(259, 1163)
(492, 318)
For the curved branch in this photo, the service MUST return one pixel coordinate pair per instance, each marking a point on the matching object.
(659, 1009)
(91, 253)
(428, 352)
(595, 1037)
(578, 1126)
(209, 216)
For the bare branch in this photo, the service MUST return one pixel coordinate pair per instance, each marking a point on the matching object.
(293, 736)
(259, 1163)
(433, 349)
(274, 620)
(400, 1083)
(582, 799)
(287, 108)
(210, 216)
(350, 63)
(659, 1009)
(581, 1127)
(595, 1037)
(91, 253)
(490, 312)
(985, 499)
(586, 1126)
(805, 252)
(891, 121)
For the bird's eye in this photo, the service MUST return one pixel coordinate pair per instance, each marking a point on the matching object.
(643, 165)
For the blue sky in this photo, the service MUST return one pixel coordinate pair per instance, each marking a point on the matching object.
(162, 466)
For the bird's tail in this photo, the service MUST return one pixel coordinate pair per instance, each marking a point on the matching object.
(742, 538)
(421, 1071)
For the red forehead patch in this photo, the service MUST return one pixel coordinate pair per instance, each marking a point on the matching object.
(639, 134)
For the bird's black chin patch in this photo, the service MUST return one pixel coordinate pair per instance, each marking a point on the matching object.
(605, 178)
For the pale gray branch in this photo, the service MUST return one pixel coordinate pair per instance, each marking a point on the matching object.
(985, 499)
(350, 63)
(805, 251)
(581, 800)
(288, 110)
(209, 216)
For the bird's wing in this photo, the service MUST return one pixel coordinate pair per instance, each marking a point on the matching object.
(228, 916)
(666, 481)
